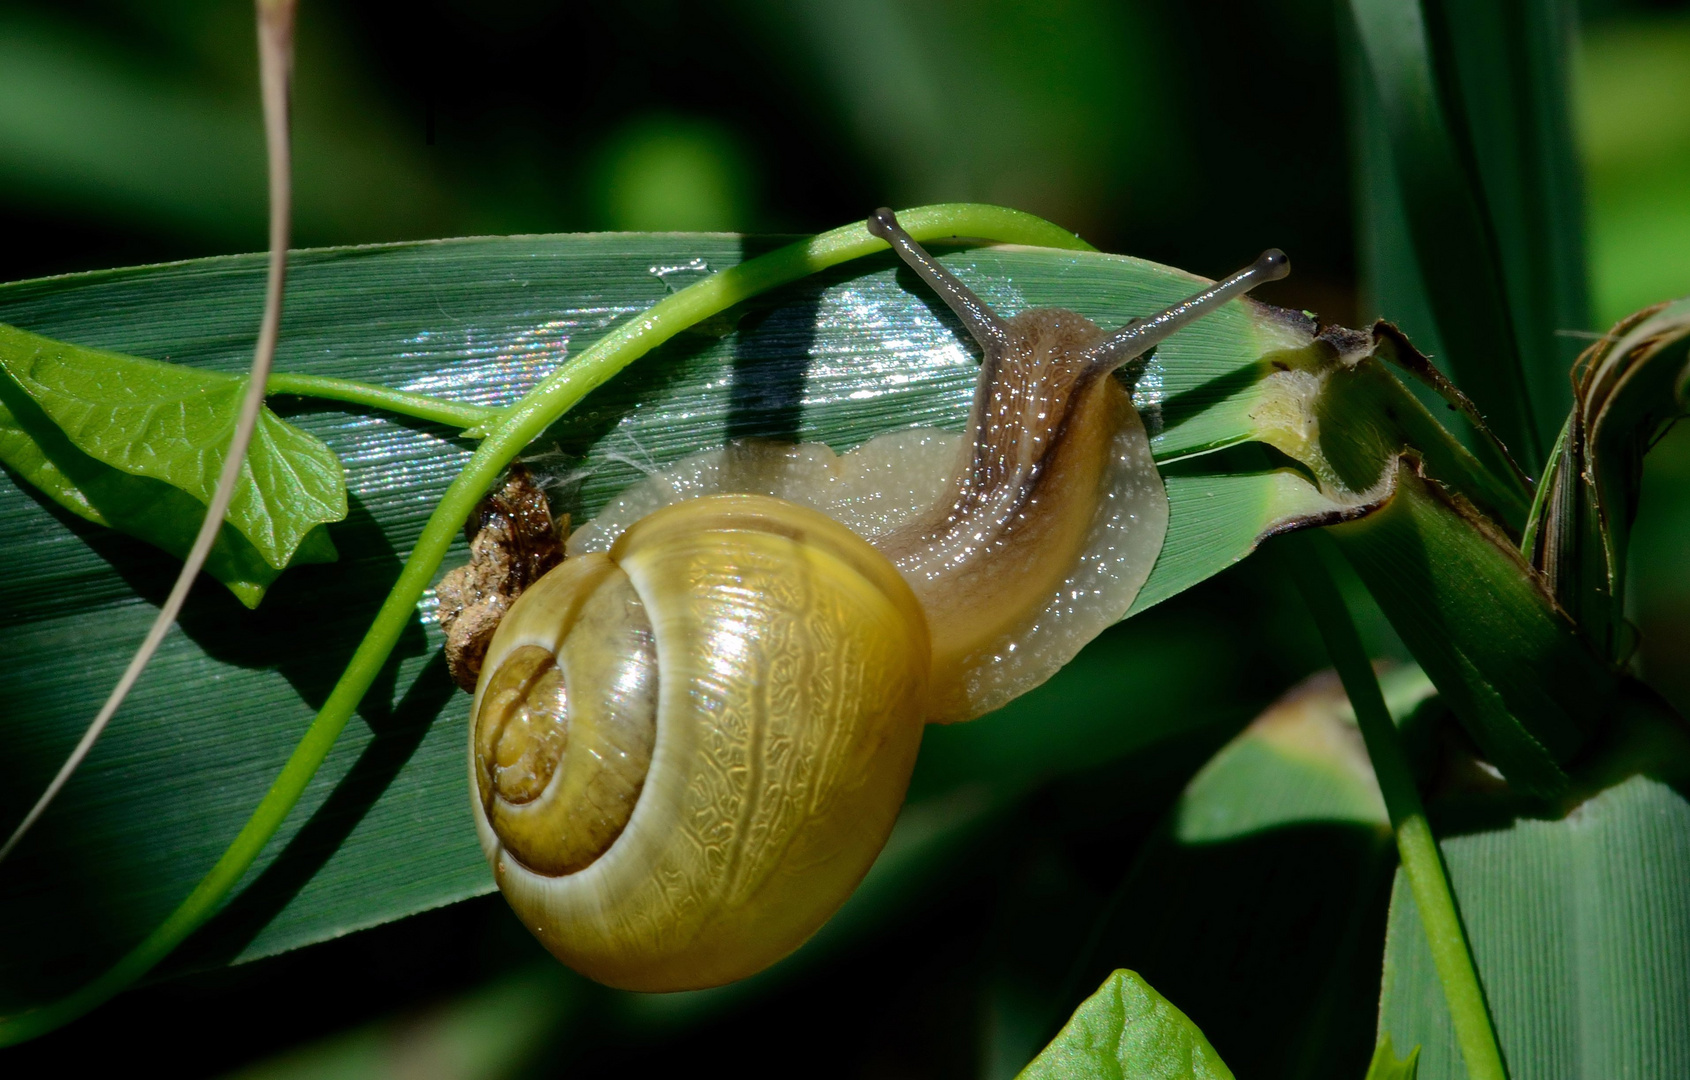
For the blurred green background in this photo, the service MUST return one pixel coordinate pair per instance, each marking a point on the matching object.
(1194, 134)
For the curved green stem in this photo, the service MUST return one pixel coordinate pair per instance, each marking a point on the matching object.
(515, 428)
(456, 414)
(1416, 845)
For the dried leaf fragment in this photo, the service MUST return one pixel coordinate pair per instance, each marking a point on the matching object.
(512, 543)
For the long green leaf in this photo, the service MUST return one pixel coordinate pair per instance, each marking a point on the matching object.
(1452, 239)
(1505, 70)
(838, 359)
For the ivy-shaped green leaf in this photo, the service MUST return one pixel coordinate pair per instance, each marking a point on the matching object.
(169, 423)
(148, 508)
(1127, 1031)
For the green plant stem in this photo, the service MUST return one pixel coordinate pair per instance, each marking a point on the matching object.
(456, 414)
(1416, 845)
(515, 428)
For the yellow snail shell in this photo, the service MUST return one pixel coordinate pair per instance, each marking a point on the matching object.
(771, 667)
(690, 740)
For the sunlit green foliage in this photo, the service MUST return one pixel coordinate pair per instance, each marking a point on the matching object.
(129, 133)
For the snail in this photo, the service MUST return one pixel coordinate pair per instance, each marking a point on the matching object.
(690, 739)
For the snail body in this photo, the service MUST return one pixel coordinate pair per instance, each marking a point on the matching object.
(690, 740)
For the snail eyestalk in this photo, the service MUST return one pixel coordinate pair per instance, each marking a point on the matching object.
(1056, 485)
(1141, 335)
(981, 320)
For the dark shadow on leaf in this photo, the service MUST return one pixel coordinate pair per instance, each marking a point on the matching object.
(761, 348)
(771, 359)
(64, 946)
(911, 282)
(309, 624)
(1644, 738)
(1271, 944)
(1180, 408)
(397, 737)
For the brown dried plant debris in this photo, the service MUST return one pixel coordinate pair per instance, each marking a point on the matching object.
(512, 543)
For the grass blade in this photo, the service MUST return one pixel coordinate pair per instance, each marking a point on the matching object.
(1451, 239)
(1505, 70)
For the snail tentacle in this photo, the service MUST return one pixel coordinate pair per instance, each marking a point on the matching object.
(1141, 335)
(976, 315)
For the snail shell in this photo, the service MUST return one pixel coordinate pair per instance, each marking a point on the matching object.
(688, 750)
(690, 740)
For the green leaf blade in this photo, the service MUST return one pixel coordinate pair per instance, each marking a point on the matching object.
(838, 358)
(1506, 73)
(1578, 916)
(1461, 276)
(1216, 519)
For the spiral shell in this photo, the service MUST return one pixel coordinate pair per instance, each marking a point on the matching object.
(686, 752)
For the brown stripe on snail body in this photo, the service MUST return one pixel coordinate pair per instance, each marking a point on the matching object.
(691, 739)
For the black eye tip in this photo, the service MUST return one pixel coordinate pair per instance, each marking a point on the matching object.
(1274, 264)
(881, 222)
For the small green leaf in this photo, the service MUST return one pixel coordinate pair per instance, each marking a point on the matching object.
(1127, 1031)
(173, 424)
(1387, 1066)
(148, 509)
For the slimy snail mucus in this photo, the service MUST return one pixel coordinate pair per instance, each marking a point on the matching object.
(691, 738)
